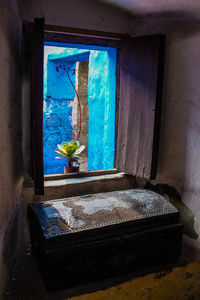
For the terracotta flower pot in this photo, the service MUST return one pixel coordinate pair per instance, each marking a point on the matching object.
(73, 169)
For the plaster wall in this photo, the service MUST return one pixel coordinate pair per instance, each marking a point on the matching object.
(11, 165)
(59, 105)
(179, 162)
(82, 88)
(57, 112)
(101, 102)
(56, 129)
(56, 83)
(88, 14)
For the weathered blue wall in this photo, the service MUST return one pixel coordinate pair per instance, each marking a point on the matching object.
(57, 128)
(54, 56)
(58, 85)
(101, 100)
(57, 113)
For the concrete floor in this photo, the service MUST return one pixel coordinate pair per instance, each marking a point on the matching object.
(177, 281)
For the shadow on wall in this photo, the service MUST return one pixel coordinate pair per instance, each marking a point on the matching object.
(179, 163)
(180, 129)
(186, 215)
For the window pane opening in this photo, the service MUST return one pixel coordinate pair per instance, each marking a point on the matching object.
(79, 104)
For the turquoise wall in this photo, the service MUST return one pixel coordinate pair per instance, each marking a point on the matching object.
(101, 100)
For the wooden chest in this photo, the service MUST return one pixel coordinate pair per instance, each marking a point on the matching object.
(91, 237)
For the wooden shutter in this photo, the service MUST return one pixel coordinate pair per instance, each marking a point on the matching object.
(141, 76)
(37, 105)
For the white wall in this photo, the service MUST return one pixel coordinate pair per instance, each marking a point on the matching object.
(10, 135)
(179, 160)
(87, 14)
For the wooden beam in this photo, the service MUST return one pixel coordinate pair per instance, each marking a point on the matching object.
(37, 105)
(157, 121)
(82, 36)
(140, 105)
(82, 32)
(79, 39)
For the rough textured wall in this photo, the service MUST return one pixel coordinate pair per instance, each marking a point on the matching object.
(10, 135)
(82, 88)
(59, 100)
(57, 113)
(57, 128)
(101, 101)
(179, 160)
(87, 14)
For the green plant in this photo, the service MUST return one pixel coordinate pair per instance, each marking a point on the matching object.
(70, 150)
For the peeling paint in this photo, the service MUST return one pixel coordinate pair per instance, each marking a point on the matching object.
(102, 209)
(109, 203)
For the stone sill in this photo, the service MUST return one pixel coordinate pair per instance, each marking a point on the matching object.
(69, 187)
(81, 174)
(29, 183)
(70, 181)
(63, 188)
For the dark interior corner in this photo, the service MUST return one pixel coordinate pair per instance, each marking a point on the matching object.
(186, 215)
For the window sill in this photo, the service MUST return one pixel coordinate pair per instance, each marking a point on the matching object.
(81, 174)
(69, 187)
(63, 186)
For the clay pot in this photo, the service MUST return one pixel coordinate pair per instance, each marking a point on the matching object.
(74, 169)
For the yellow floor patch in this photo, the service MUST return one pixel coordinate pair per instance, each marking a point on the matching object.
(181, 283)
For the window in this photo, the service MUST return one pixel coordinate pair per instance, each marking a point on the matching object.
(138, 101)
(79, 104)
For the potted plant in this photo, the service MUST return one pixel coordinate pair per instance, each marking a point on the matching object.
(71, 151)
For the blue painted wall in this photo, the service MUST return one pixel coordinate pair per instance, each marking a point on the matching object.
(57, 128)
(101, 100)
(57, 113)
(54, 56)
(58, 85)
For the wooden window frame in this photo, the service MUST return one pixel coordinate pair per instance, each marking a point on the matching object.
(155, 45)
(87, 37)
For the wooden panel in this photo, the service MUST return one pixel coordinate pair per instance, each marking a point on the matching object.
(140, 105)
(117, 100)
(37, 105)
(82, 36)
(83, 32)
(81, 39)
(157, 120)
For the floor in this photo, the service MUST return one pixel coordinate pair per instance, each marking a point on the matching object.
(179, 281)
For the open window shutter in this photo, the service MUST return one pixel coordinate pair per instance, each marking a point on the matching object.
(141, 76)
(37, 105)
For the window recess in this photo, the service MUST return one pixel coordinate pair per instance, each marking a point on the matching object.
(138, 99)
